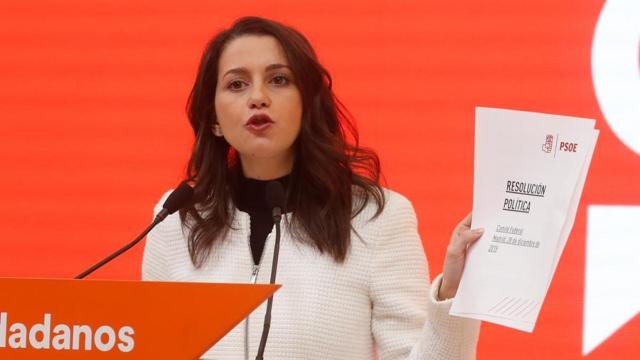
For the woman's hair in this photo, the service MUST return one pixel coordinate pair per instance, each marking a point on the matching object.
(332, 177)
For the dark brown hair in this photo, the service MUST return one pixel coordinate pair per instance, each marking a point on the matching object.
(332, 178)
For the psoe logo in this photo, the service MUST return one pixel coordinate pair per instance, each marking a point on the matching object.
(613, 249)
(548, 144)
(46, 336)
(568, 146)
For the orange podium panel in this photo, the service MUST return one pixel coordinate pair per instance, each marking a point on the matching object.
(94, 319)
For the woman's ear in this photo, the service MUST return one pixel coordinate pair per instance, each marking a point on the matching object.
(217, 130)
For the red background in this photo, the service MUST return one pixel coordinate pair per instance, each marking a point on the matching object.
(93, 130)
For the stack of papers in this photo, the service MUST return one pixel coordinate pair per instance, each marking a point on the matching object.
(529, 171)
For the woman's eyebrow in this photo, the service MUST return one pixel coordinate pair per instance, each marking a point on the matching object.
(277, 66)
(243, 71)
(239, 70)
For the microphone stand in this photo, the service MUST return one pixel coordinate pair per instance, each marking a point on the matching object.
(161, 215)
(277, 216)
(176, 200)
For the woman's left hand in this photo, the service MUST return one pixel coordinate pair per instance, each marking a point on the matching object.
(461, 238)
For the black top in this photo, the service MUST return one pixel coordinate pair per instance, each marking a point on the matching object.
(251, 198)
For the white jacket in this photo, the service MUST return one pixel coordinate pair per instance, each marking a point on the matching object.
(378, 302)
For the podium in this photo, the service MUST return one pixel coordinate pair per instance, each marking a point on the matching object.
(95, 319)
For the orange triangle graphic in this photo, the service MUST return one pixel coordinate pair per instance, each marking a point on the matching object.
(93, 319)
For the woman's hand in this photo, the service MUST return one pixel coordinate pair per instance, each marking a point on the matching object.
(461, 239)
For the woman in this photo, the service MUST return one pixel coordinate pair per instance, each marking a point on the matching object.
(352, 267)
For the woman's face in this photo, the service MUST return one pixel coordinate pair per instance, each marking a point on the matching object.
(257, 104)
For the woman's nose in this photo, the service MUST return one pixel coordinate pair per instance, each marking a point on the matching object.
(259, 98)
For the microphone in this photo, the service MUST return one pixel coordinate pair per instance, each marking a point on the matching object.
(176, 200)
(274, 193)
(276, 200)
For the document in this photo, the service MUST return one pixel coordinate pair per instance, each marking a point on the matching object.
(529, 172)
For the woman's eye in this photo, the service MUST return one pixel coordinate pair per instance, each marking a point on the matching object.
(280, 80)
(235, 85)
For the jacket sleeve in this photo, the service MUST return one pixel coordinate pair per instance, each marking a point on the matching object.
(408, 322)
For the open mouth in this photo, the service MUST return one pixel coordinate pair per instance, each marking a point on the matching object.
(259, 122)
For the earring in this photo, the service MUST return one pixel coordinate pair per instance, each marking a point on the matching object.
(217, 130)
